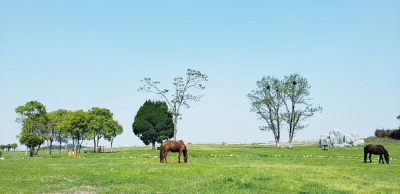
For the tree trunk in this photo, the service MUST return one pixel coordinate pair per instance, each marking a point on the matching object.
(73, 144)
(98, 138)
(31, 151)
(153, 145)
(112, 139)
(60, 147)
(51, 143)
(77, 145)
(292, 126)
(37, 150)
(277, 144)
(26, 153)
(175, 121)
(94, 145)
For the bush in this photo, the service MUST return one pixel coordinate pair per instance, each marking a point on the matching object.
(378, 133)
(1, 153)
(395, 134)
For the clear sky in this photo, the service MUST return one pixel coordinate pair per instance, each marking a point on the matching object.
(82, 54)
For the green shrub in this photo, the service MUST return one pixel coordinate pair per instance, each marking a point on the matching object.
(395, 134)
(1, 153)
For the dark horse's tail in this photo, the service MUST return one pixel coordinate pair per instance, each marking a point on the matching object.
(366, 151)
(161, 153)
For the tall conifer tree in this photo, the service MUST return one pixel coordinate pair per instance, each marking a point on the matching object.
(153, 123)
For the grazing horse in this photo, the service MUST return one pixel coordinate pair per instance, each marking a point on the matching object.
(173, 146)
(376, 150)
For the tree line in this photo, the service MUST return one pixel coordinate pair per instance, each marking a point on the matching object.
(8, 147)
(62, 126)
(276, 102)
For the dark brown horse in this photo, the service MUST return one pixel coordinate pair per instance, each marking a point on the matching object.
(173, 146)
(376, 150)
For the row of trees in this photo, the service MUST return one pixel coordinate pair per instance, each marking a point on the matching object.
(277, 102)
(8, 147)
(39, 126)
(280, 102)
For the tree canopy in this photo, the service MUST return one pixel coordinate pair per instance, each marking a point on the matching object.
(60, 135)
(30, 140)
(30, 115)
(285, 100)
(181, 97)
(113, 128)
(33, 117)
(266, 102)
(97, 126)
(75, 124)
(297, 104)
(153, 123)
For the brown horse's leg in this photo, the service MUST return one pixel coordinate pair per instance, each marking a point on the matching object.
(370, 158)
(161, 154)
(165, 156)
(179, 157)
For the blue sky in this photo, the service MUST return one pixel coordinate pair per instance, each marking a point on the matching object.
(77, 55)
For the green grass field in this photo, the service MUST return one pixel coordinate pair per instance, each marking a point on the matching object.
(210, 169)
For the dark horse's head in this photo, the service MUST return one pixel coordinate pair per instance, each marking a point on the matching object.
(386, 154)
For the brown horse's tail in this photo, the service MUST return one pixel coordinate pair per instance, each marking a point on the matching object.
(185, 155)
(161, 153)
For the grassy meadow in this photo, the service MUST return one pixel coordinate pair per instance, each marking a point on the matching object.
(210, 169)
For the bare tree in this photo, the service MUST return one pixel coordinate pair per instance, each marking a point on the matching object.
(266, 101)
(296, 92)
(181, 96)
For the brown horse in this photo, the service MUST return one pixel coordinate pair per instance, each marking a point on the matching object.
(173, 146)
(376, 150)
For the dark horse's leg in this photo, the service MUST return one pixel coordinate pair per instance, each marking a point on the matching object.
(370, 157)
(365, 157)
